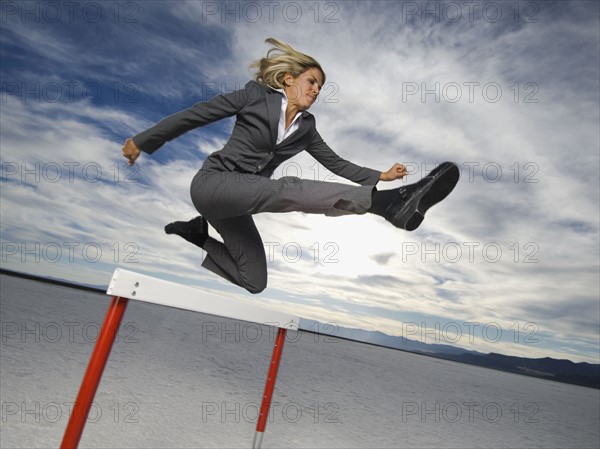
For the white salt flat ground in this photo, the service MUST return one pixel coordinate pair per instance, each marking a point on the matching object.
(176, 380)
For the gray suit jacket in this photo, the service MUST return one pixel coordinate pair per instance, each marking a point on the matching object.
(251, 147)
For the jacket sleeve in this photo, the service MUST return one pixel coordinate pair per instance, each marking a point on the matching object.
(346, 169)
(200, 114)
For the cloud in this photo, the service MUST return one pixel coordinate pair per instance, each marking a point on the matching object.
(514, 103)
(382, 259)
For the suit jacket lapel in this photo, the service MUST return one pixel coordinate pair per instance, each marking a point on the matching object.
(273, 111)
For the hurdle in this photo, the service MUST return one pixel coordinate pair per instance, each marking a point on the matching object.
(127, 285)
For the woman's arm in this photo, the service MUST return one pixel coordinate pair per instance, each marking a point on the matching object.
(200, 114)
(346, 169)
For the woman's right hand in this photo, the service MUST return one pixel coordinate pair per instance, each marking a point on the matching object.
(130, 151)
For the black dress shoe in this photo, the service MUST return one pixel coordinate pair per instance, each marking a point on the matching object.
(408, 210)
(194, 231)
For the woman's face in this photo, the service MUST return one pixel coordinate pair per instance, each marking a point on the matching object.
(302, 90)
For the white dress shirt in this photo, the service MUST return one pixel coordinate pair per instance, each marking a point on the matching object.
(282, 131)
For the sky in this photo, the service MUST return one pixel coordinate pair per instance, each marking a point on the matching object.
(509, 91)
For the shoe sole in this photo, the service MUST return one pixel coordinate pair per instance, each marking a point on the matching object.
(411, 215)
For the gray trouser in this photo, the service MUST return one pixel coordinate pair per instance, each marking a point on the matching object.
(229, 199)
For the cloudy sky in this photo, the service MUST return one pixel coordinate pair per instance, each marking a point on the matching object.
(509, 91)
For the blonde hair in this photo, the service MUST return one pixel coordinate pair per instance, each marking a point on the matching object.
(282, 59)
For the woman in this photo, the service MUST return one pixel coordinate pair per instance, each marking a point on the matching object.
(272, 125)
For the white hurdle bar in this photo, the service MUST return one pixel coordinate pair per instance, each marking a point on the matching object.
(126, 285)
(140, 287)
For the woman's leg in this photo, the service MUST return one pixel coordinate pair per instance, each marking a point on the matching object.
(218, 195)
(227, 201)
(241, 258)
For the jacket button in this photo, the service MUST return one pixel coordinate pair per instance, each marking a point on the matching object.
(259, 167)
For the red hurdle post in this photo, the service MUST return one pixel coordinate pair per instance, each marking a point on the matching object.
(94, 371)
(269, 387)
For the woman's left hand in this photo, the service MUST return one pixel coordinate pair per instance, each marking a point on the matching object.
(396, 172)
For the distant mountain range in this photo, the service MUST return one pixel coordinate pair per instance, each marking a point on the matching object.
(584, 374)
